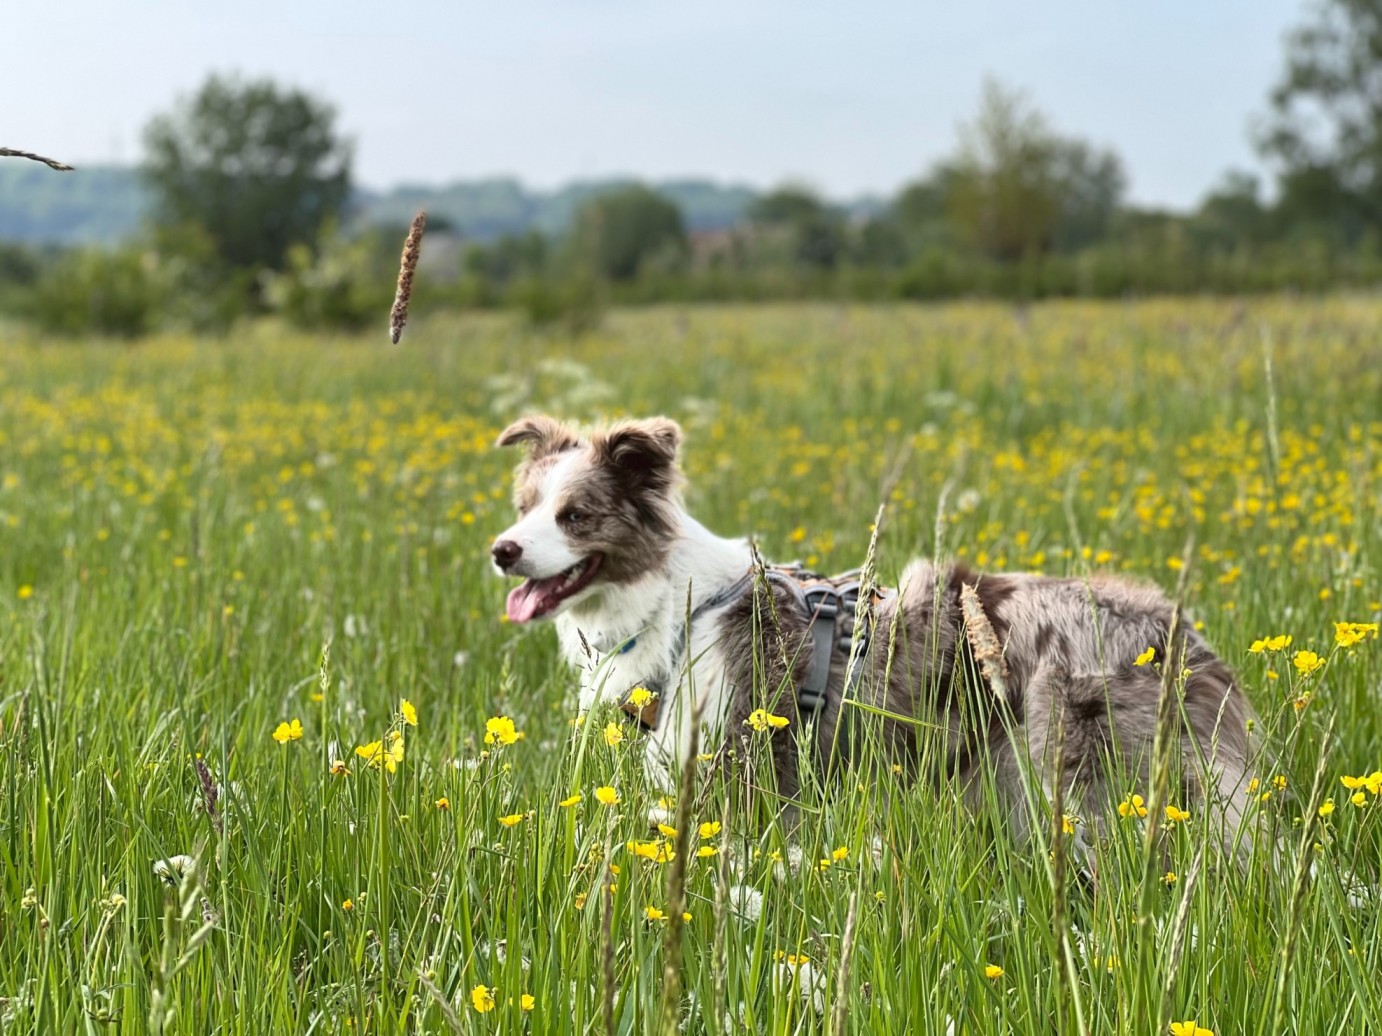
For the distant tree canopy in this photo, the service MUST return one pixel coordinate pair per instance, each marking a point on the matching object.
(1325, 130)
(626, 230)
(816, 232)
(258, 167)
(1017, 189)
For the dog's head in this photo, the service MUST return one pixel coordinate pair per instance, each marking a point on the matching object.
(594, 510)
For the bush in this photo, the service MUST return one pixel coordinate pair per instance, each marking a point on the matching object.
(573, 302)
(344, 285)
(95, 292)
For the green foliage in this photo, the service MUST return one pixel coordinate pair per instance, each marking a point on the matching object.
(1325, 129)
(628, 230)
(574, 303)
(814, 233)
(259, 167)
(95, 292)
(1016, 189)
(342, 284)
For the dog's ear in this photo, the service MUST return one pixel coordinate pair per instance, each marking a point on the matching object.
(541, 434)
(643, 452)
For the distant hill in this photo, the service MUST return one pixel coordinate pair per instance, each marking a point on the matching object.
(97, 205)
(485, 209)
(103, 204)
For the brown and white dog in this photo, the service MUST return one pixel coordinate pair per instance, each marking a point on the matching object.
(606, 547)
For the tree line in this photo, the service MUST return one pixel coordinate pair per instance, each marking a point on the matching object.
(252, 188)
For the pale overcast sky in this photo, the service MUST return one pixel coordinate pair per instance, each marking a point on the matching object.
(852, 97)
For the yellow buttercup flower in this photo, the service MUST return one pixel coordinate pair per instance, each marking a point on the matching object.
(1190, 1028)
(657, 850)
(652, 913)
(482, 999)
(709, 829)
(443, 803)
(377, 755)
(640, 696)
(285, 732)
(1278, 643)
(511, 819)
(500, 730)
(762, 719)
(1326, 807)
(527, 1001)
(409, 711)
(1306, 662)
(839, 854)
(570, 801)
(606, 795)
(992, 971)
(1132, 806)
(706, 851)
(614, 734)
(1145, 657)
(1176, 815)
(667, 830)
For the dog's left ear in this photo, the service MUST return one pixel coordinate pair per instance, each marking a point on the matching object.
(645, 452)
(542, 435)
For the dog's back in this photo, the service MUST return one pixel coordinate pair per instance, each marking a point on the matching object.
(1077, 707)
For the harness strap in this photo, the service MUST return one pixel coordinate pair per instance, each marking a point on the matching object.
(823, 600)
(647, 715)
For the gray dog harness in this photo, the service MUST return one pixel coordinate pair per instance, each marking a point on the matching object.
(830, 603)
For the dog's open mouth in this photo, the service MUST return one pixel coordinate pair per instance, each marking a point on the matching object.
(536, 597)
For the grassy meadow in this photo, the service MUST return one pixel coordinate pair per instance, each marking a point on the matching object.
(186, 526)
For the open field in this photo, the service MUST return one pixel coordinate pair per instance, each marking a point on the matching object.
(184, 526)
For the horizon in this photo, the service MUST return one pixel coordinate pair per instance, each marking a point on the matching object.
(855, 104)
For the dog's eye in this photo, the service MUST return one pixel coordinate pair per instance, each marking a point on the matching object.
(572, 516)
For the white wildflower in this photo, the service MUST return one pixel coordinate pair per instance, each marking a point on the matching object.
(746, 901)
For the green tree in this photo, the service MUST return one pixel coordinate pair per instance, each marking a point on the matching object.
(627, 229)
(816, 232)
(1325, 129)
(258, 167)
(1233, 213)
(1017, 189)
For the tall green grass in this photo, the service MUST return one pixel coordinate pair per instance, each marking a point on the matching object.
(185, 527)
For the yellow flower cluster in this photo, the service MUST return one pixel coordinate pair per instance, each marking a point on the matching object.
(376, 754)
(761, 720)
(1132, 806)
(1371, 783)
(1347, 634)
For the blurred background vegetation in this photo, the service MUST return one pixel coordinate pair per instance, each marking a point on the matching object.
(244, 205)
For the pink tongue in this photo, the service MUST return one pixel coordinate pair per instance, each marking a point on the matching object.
(526, 600)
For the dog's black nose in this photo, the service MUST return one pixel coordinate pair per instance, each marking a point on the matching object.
(506, 553)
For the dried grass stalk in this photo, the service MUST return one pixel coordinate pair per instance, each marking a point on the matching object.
(412, 248)
(51, 163)
(988, 652)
